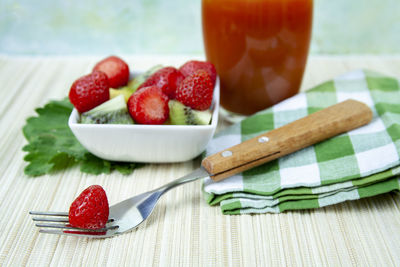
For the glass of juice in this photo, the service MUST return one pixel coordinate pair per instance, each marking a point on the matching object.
(259, 48)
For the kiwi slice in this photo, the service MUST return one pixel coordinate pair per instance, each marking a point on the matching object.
(180, 114)
(125, 91)
(133, 84)
(113, 111)
(138, 80)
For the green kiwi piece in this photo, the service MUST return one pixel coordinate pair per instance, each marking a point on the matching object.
(125, 91)
(113, 111)
(134, 84)
(180, 114)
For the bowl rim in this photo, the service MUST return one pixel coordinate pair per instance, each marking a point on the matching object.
(73, 120)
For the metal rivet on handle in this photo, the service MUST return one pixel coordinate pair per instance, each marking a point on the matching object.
(226, 153)
(263, 139)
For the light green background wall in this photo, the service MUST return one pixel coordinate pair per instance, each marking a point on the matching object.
(174, 26)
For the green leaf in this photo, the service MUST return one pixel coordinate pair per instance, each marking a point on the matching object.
(94, 165)
(125, 168)
(52, 146)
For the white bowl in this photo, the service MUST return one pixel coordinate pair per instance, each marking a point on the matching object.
(146, 143)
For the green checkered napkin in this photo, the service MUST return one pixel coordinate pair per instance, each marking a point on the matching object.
(361, 163)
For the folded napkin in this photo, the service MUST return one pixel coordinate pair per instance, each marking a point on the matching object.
(361, 163)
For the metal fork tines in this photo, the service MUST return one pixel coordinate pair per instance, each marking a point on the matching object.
(58, 223)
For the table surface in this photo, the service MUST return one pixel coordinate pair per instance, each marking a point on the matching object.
(183, 230)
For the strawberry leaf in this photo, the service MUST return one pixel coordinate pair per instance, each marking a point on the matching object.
(53, 147)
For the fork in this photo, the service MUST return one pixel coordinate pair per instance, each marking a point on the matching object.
(130, 213)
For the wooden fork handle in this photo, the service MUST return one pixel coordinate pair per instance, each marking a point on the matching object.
(321, 125)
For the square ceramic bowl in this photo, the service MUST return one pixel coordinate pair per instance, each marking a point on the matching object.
(146, 143)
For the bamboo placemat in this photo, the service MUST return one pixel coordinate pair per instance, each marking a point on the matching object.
(183, 230)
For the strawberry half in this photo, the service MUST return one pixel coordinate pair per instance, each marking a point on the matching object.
(196, 91)
(190, 67)
(167, 78)
(89, 91)
(116, 70)
(90, 209)
(149, 106)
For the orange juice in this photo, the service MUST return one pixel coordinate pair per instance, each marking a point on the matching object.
(259, 48)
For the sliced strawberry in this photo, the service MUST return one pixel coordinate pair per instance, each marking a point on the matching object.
(167, 78)
(90, 209)
(116, 70)
(89, 91)
(149, 106)
(196, 91)
(192, 66)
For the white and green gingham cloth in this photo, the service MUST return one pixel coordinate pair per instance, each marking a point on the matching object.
(361, 163)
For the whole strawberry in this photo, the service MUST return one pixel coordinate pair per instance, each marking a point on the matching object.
(89, 91)
(167, 78)
(116, 70)
(196, 91)
(90, 209)
(192, 66)
(149, 106)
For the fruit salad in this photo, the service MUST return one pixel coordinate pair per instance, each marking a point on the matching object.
(161, 95)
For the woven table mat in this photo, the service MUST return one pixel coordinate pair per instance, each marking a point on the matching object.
(183, 230)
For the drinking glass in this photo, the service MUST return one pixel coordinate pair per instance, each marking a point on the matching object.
(259, 48)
